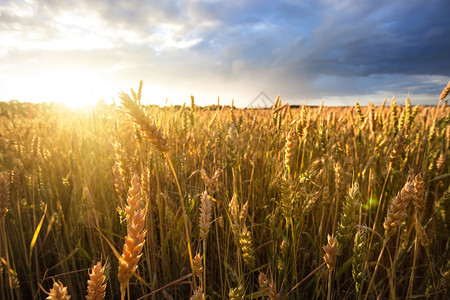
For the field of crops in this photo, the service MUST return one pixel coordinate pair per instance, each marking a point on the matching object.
(130, 201)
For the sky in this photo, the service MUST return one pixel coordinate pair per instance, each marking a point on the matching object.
(339, 51)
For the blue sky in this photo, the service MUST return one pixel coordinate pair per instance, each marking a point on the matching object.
(304, 51)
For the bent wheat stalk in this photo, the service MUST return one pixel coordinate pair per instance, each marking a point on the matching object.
(144, 122)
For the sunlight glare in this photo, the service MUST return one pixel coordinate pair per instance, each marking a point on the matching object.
(73, 87)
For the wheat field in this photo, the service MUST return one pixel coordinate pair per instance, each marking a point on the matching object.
(128, 201)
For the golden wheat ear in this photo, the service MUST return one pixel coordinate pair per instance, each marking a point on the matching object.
(397, 210)
(330, 252)
(205, 215)
(445, 91)
(146, 125)
(4, 195)
(96, 287)
(58, 292)
(135, 239)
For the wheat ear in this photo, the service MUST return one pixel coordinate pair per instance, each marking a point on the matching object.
(146, 125)
(397, 211)
(398, 147)
(348, 219)
(96, 288)
(4, 195)
(330, 259)
(58, 292)
(445, 91)
(289, 151)
(248, 251)
(122, 167)
(205, 215)
(359, 258)
(330, 252)
(198, 294)
(134, 241)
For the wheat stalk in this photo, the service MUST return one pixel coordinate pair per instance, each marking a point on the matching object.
(122, 167)
(419, 195)
(248, 252)
(289, 151)
(445, 91)
(330, 252)
(205, 215)
(397, 210)
(330, 259)
(96, 288)
(198, 266)
(146, 125)
(135, 239)
(359, 112)
(398, 147)
(348, 219)
(4, 195)
(359, 258)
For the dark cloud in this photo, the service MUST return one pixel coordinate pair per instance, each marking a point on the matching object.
(301, 49)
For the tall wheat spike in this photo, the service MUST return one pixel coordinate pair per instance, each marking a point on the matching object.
(198, 266)
(96, 288)
(248, 252)
(330, 252)
(4, 195)
(397, 210)
(289, 151)
(348, 219)
(135, 239)
(359, 258)
(359, 112)
(330, 259)
(146, 125)
(122, 165)
(419, 196)
(263, 282)
(205, 215)
(445, 91)
(394, 117)
(398, 147)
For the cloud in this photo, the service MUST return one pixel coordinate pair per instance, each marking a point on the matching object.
(300, 49)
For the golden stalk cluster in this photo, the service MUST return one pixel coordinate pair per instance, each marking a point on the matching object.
(272, 184)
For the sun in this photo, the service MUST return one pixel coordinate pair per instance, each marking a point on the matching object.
(74, 87)
(78, 87)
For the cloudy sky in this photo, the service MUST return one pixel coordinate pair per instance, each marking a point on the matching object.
(304, 51)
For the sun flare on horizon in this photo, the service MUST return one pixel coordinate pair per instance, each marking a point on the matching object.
(72, 87)
(78, 87)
